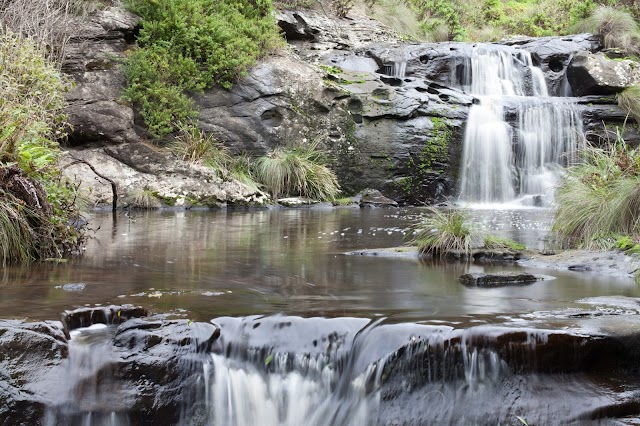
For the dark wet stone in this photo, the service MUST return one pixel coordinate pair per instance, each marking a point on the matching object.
(579, 268)
(499, 279)
(114, 314)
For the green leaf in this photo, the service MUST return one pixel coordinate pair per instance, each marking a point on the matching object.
(268, 360)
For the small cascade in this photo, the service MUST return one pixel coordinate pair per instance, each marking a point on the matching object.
(92, 396)
(518, 139)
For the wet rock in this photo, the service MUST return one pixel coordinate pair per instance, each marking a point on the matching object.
(581, 268)
(491, 256)
(595, 74)
(374, 198)
(31, 355)
(499, 279)
(296, 202)
(114, 314)
(72, 287)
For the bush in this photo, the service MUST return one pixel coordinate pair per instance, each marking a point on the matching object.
(599, 199)
(629, 101)
(442, 232)
(618, 28)
(298, 171)
(40, 204)
(190, 45)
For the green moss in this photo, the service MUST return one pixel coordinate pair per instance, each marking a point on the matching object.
(330, 69)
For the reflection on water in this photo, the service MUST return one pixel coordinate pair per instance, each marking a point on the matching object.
(208, 264)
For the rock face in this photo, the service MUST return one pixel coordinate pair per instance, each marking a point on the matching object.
(93, 60)
(391, 114)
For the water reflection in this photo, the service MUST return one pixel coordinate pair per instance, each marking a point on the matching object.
(208, 264)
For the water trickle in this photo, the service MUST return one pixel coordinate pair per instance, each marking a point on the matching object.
(521, 158)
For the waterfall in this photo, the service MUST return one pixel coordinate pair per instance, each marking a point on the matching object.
(521, 158)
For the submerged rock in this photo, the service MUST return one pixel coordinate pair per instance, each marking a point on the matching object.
(499, 279)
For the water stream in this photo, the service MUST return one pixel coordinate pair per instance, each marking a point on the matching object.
(517, 139)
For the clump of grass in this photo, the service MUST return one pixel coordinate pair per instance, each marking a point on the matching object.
(196, 146)
(495, 242)
(144, 199)
(599, 198)
(16, 235)
(297, 171)
(442, 232)
(618, 28)
(629, 101)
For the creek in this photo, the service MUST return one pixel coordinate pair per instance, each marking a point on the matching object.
(309, 335)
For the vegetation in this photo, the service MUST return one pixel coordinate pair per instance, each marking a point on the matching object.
(618, 28)
(297, 171)
(629, 101)
(494, 242)
(442, 232)
(599, 200)
(38, 206)
(187, 46)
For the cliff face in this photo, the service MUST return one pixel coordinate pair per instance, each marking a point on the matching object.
(391, 114)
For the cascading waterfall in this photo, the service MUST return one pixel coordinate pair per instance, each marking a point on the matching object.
(522, 161)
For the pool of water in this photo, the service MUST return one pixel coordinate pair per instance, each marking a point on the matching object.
(202, 265)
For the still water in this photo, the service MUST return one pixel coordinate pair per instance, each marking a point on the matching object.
(202, 265)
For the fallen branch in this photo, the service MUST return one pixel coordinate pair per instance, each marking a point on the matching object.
(114, 187)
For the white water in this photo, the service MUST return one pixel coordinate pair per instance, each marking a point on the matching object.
(501, 163)
(312, 394)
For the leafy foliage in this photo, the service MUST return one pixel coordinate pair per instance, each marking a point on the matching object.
(599, 199)
(188, 46)
(40, 204)
(297, 171)
(443, 231)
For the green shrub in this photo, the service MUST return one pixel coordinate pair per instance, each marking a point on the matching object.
(297, 171)
(442, 232)
(190, 45)
(40, 203)
(617, 27)
(629, 101)
(495, 242)
(599, 198)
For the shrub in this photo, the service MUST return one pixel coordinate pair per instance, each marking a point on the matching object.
(41, 204)
(618, 28)
(599, 198)
(298, 171)
(629, 101)
(442, 232)
(495, 242)
(190, 45)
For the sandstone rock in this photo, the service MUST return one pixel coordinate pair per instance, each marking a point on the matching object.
(595, 74)
(499, 279)
(149, 177)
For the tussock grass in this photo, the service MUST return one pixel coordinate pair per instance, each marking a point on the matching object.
(16, 234)
(617, 28)
(629, 101)
(297, 171)
(197, 146)
(442, 232)
(599, 199)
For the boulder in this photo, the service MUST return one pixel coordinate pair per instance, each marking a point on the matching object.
(148, 177)
(374, 198)
(595, 74)
(499, 279)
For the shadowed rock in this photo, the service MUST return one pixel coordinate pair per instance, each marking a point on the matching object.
(499, 279)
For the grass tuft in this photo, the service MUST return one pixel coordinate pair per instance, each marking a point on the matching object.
(297, 171)
(495, 242)
(629, 101)
(618, 28)
(442, 232)
(599, 199)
